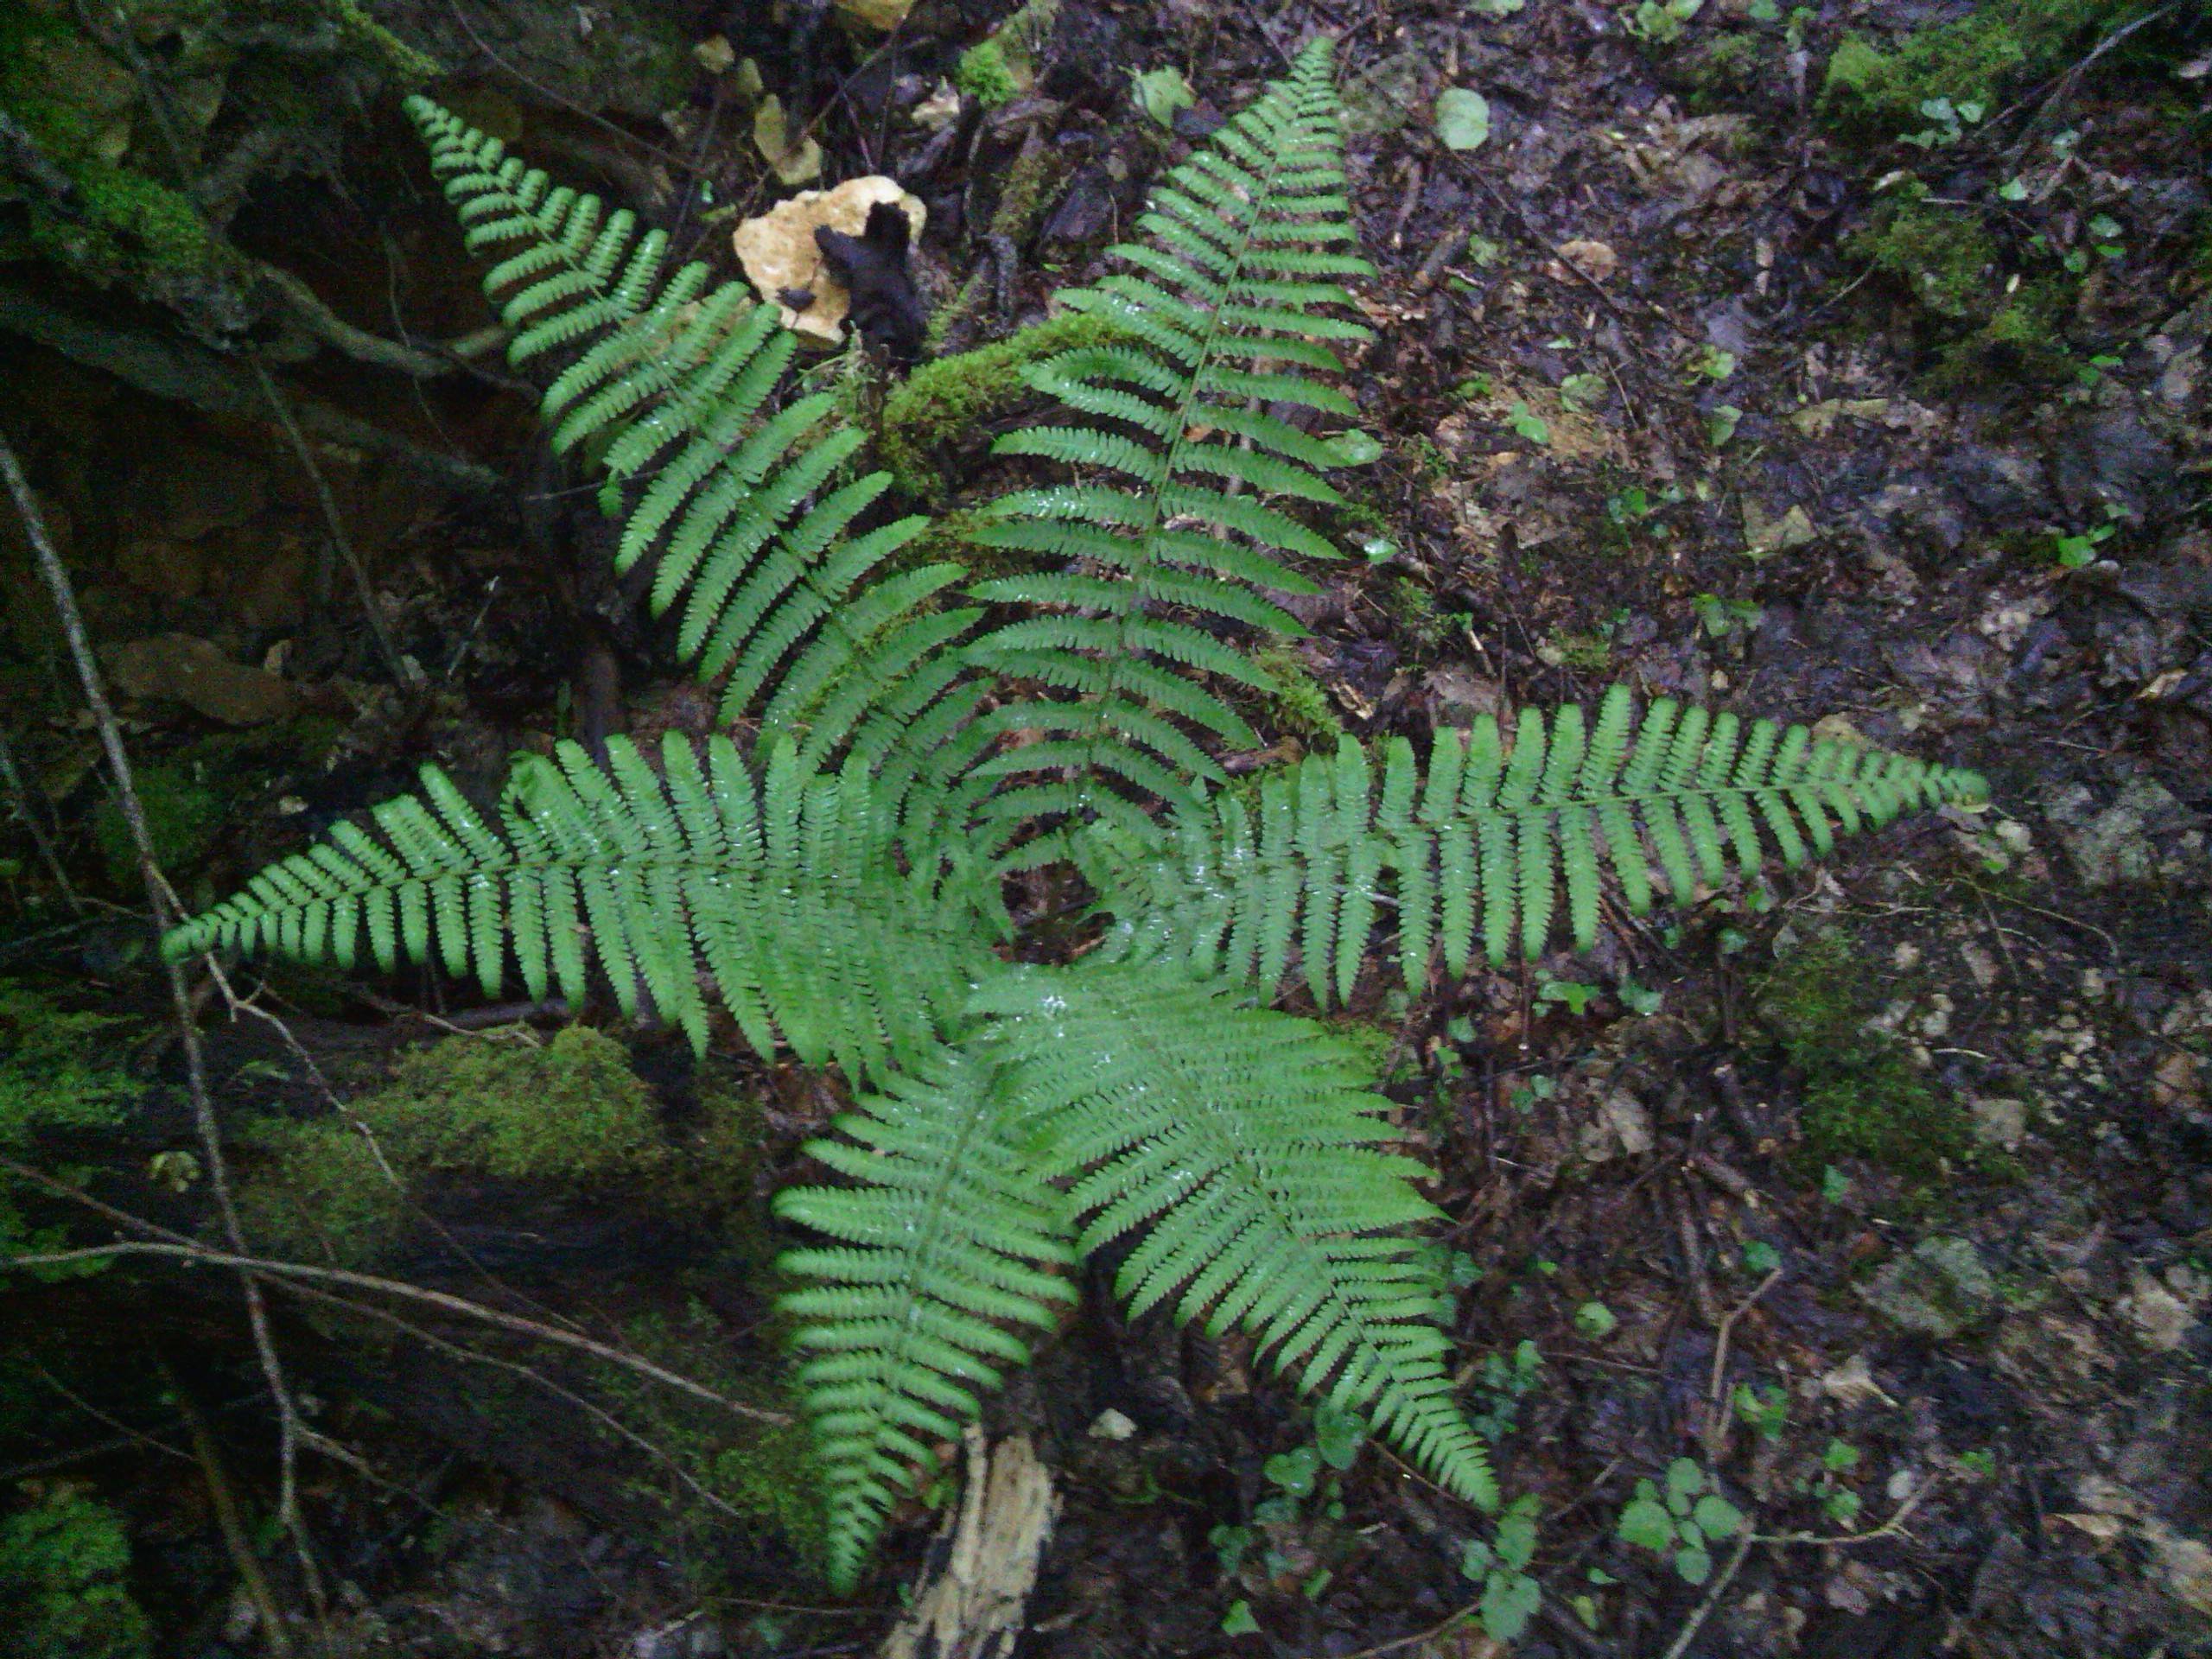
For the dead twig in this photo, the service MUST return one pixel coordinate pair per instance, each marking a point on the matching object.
(229, 1521)
(27, 809)
(259, 1268)
(1696, 1623)
(402, 672)
(1716, 1417)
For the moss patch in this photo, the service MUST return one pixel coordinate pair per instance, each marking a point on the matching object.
(58, 1083)
(1879, 91)
(1941, 256)
(984, 75)
(1862, 1097)
(942, 400)
(63, 1566)
(1301, 705)
(572, 1116)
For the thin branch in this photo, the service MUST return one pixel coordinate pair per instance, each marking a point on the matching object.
(1696, 1623)
(260, 1267)
(281, 406)
(159, 899)
(1716, 1417)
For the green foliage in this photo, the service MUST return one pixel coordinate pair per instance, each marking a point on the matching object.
(1228, 303)
(63, 1563)
(1863, 1097)
(1481, 842)
(59, 1085)
(1941, 256)
(1299, 704)
(183, 814)
(785, 882)
(1682, 1522)
(950, 396)
(984, 75)
(1998, 44)
(665, 380)
(837, 889)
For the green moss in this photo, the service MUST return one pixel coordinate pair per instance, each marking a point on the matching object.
(1301, 705)
(1861, 1095)
(316, 1191)
(572, 1111)
(1722, 70)
(943, 399)
(571, 1114)
(2000, 43)
(984, 75)
(2023, 340)
(1413, 608)
(1941, 256)
(58, 1082)
(63, 1568)
(183, 813)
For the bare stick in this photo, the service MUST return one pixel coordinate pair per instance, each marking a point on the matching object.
(260, 1267)
(159, 898)
(1715, 1417)
(1696, 1623)
(282, 409)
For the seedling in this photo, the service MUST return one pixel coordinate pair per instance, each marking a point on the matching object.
(1681, 1522)
(1510, 1596)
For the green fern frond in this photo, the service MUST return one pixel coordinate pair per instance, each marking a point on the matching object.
(670, 379)
(780, 885)
(1243, 1145)
(1229, 292)
(948, 1238)
(1483, 844)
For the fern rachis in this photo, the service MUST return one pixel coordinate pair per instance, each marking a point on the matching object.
(1020, 1116)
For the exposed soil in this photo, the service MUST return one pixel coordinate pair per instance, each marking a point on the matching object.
(1881, 1192)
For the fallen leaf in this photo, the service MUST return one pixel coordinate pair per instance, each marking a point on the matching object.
(1597, 259)
(793, 163)
(1852, 1383)
(1764, 535)
(714, 54)
(940, 109)
(781, 255)
(1161, 92)
(181, 668)
(1462, 119)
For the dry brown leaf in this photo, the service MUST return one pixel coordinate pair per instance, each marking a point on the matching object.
(1596, 258)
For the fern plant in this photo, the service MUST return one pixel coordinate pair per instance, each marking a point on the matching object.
(835, 886)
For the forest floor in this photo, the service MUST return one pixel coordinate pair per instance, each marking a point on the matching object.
(1881, 1195)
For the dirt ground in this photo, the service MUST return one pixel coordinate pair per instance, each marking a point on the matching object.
(1879, 1194)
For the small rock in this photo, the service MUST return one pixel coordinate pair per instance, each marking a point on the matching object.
(2000, 1123)
(2140, 837)
(1111, 1425)
(1939, 1290)
(2161, 1318)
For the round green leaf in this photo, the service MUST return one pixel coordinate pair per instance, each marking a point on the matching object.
(1718, 1517)
(1646, 1525)
(1462, 119)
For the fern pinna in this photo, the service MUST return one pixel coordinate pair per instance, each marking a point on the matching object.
(835, 887)
(1230, 304)
(666, 377)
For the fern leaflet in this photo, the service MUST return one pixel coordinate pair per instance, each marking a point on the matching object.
(1483, 845)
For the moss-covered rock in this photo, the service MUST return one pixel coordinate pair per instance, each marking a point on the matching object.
(1942, 257)
(1878, 91)
(1862, 1096)
(944, 400)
